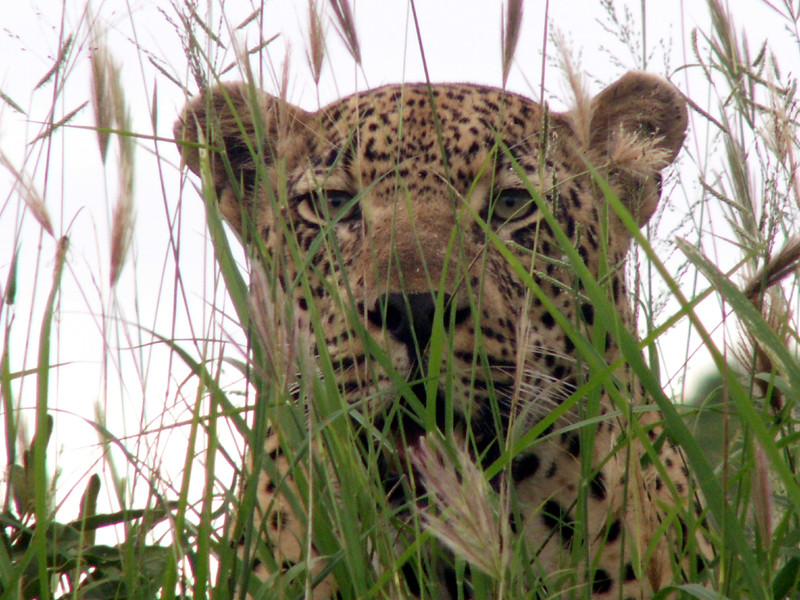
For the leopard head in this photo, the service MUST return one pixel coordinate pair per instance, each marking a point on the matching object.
(422, 218)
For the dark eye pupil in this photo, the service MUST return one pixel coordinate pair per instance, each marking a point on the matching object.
(512, 204)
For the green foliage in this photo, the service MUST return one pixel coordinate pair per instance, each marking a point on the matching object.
(43, 558)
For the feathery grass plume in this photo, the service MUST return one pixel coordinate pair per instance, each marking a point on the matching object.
(249, 19)
(346, 26)
(8, 100)
(283, 340)
(63, 52)
(510, 24)
(103, 105)
(581, 113)
(726, 47)
(465, 520)
(50, 129)
(781, 135)
(191, 46)
(29, 195)
(316, 42)
(108, 99)
(284, 89)
(122, 218)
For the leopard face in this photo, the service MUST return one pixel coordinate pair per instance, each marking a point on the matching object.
(462, 213)
(413, 190)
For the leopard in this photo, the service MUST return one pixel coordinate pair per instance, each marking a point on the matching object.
(477, 218)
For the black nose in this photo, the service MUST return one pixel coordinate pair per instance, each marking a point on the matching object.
(409, 318)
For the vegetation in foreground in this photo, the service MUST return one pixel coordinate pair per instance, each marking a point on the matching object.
(159, 536)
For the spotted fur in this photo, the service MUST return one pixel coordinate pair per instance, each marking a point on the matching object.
(416, 187)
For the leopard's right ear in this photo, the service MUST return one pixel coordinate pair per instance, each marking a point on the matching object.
(242, 128)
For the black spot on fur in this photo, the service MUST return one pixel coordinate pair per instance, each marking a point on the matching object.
(557, 518)
(588, 313)
(597, 486)
(524, 467)
(278, 519)
(700, 563)
(572, 442)
(411, 578)
(613, 531)
(630, 575)
(601, 583)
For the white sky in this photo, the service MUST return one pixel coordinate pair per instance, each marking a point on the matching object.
(461, 39)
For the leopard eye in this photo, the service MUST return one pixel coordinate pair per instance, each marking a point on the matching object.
(512, 204)
(334, 205)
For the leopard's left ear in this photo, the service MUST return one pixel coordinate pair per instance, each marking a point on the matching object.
(245, 132)
(637, 128)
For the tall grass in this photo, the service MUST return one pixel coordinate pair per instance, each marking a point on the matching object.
(135, 518)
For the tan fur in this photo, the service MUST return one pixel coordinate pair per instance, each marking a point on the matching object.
(415, 232)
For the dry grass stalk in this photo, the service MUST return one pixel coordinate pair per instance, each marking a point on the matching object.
(780, 266)
(511, 24)
(762, 495)
(760, 289)
(316, 42)
(753, 355)
(465, 520)
(29, 195)
(346, 26)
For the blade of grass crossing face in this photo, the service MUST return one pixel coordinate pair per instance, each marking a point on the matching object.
(631, 351)
(704, 475)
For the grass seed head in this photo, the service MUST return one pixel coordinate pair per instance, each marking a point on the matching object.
(346, 26)
(582, 111)
(316, 42)
(30, 196)
(464, 518)
(511, 26)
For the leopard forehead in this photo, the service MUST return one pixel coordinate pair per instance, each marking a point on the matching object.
(435, 141)
(424, 139)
